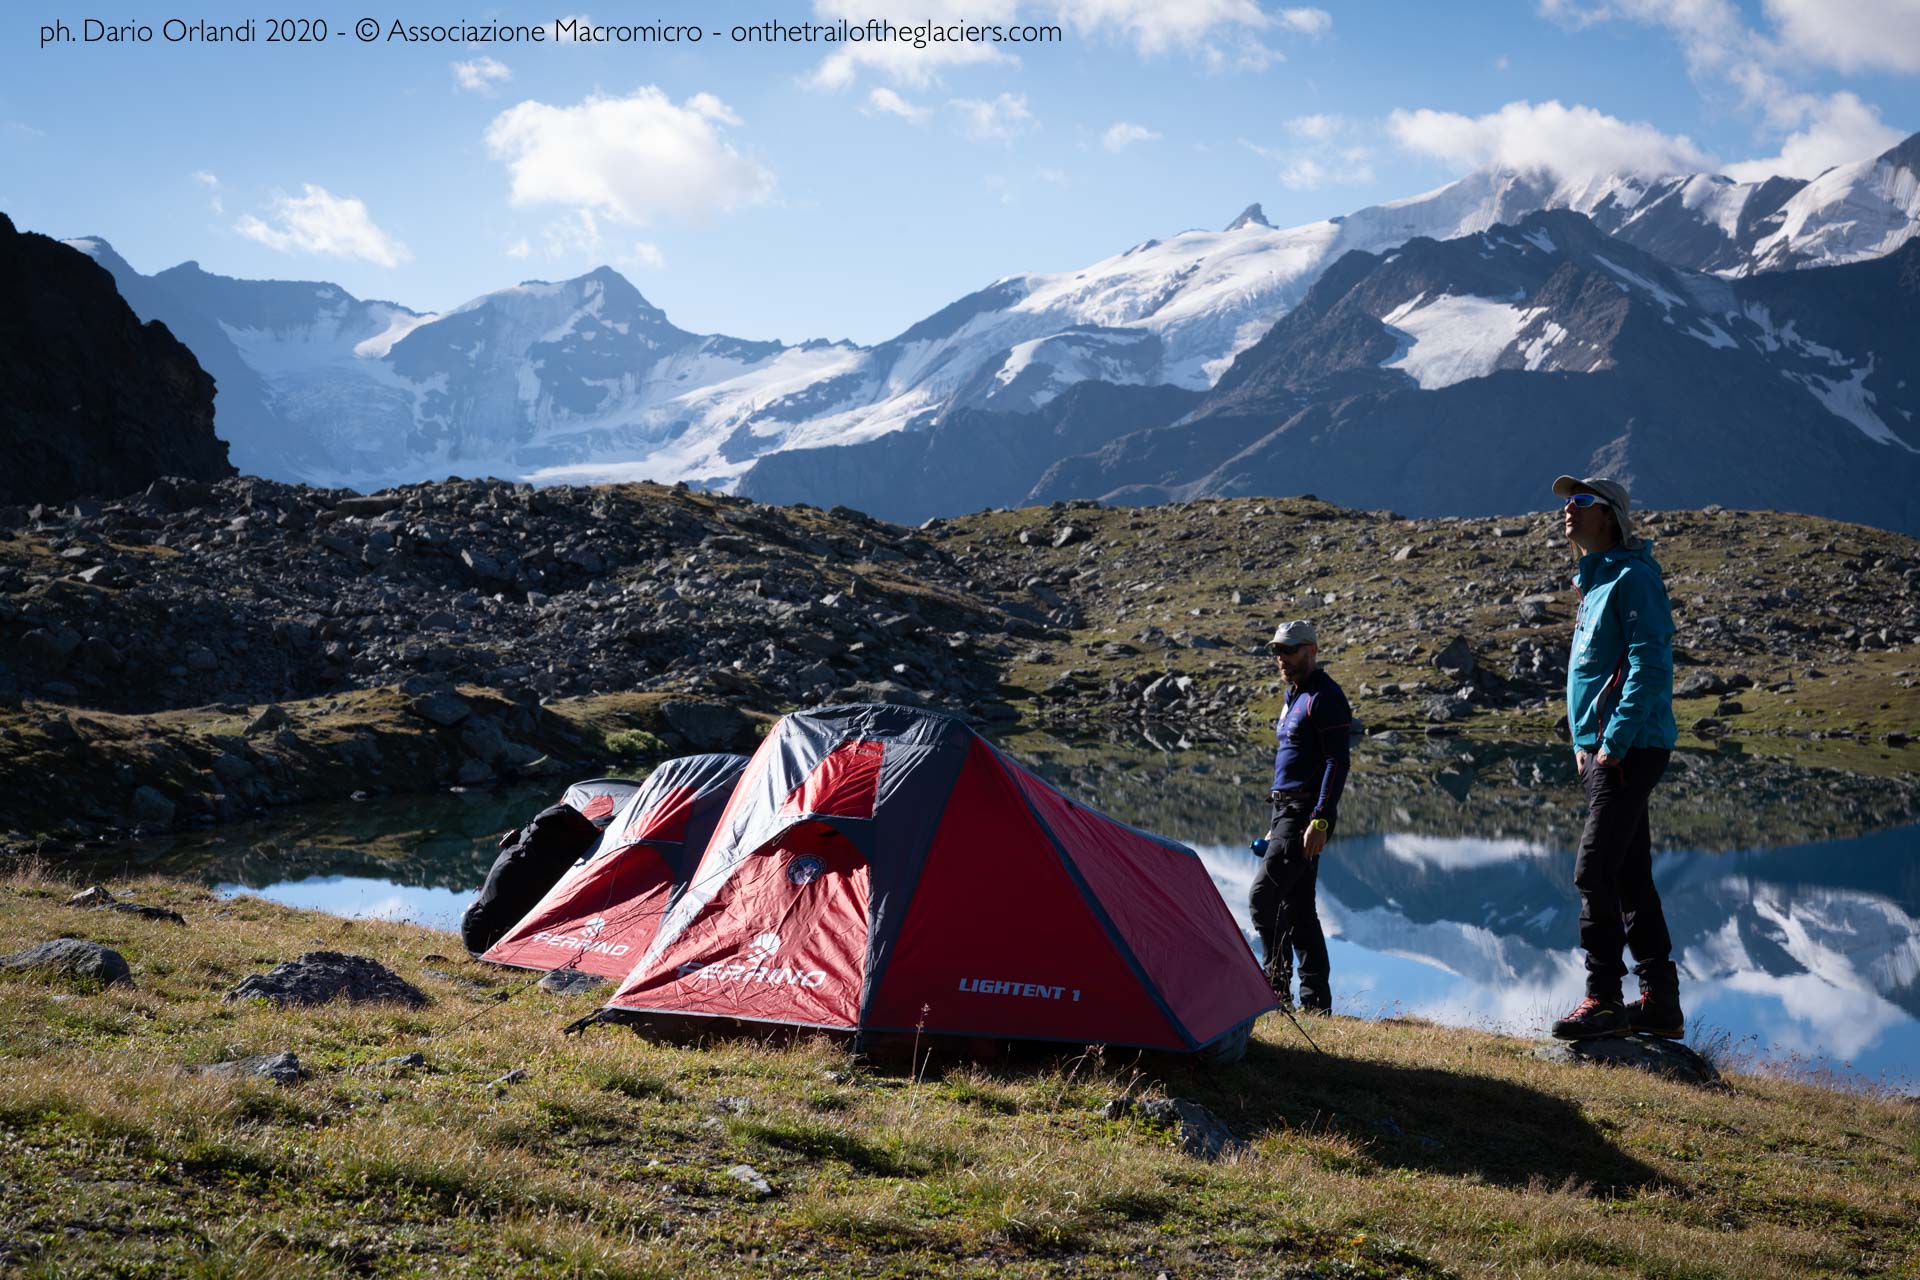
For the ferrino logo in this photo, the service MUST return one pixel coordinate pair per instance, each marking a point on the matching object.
(754, 967)
(588, 943)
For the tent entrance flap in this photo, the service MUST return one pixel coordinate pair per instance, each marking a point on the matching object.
(783, 940)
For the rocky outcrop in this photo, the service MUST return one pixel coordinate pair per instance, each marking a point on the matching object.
(92, 402)
(320, 976)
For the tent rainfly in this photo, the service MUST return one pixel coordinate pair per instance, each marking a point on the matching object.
(885, 869)
(602, 912)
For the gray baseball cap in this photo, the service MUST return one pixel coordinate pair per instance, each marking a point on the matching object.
(1611, 492)
(1293, 633)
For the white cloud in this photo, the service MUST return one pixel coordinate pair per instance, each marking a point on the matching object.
(630, 159)
(575, 235)
(1852, 36)
(318, 221)
(520, 249)
(1723, 52)
(1545, 137)
(1157, 26)
(1055, 177)
(887, 102)
(1123, 135)
(995, 120)
(212, 184)
(1502, 62)
(1842, 129)
(1311, 22)
(899, 60)
(644, 255)
(1318, 127)
(1318, 167)
(480, 75)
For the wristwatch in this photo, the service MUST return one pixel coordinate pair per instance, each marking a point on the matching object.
(1317, 824)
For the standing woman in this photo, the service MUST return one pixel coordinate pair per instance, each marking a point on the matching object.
(1620, 708)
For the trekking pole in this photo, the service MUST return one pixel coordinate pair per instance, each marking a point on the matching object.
(1302, 1030)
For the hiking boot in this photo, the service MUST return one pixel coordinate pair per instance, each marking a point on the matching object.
(1661, 1018)
(1593, 1019)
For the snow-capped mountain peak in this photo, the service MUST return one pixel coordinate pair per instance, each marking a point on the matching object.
(1251, 216)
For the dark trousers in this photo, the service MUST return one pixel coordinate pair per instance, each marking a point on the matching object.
(1284, 913)
(1618, 904)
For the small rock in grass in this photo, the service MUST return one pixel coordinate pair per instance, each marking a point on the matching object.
(281, 1068)
(751, 1177)
(570, 982)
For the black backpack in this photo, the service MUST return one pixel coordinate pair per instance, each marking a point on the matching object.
(532, 860)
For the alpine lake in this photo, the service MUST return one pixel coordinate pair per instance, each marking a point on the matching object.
(1792, 895)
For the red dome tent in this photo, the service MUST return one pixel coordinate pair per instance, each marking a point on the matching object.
(603, 910)
(883, 868)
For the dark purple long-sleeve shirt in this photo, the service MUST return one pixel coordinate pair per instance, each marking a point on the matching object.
(1313, 750)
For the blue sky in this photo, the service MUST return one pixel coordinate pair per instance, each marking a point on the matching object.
(784, 192)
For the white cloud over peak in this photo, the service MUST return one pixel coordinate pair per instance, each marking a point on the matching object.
(317, 221)
(481, 74)
(1840, 130)
(1546, 137)
(1123, 135)
(630, 159)
(1315, 167)
(1851, 35)
(884, 101)
(1723, 52)
(993, 120)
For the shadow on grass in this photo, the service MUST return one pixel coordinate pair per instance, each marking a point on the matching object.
(1416, 1118)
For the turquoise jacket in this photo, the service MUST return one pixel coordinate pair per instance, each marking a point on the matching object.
(1620, 676)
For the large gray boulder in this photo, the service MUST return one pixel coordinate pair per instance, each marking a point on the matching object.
(320, 976)
(73, 958)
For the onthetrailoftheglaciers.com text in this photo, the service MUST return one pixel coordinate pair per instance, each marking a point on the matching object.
(283, 30)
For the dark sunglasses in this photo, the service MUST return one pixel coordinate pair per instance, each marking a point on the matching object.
(1585, 500)
(1284, 650)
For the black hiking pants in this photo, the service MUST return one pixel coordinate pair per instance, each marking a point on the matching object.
(1619, 905)
(1284, 913)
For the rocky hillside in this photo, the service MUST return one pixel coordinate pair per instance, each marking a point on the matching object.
(446, 626)
(92, 401)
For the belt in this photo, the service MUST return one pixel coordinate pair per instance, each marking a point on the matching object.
(1293, 793)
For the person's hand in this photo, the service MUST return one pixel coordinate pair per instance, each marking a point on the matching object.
(1606, 761)
(1313, 841)
(1579, 761)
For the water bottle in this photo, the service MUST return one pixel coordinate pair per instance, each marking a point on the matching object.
(1259, 847)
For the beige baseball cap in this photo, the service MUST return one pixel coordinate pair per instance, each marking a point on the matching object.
(1611, 492)
(1290, 633)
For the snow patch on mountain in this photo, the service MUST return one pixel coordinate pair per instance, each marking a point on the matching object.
(1451, 338)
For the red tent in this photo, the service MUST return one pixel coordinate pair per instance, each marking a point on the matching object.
(883, 868)
(603, 911)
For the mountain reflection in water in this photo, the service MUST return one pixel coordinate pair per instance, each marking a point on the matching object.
(1455, 904)
(1813, 950)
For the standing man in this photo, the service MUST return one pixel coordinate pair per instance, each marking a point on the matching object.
(1620, 708)
(1309, 772)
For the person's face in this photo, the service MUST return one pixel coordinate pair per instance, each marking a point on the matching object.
(1589, 526)
(1295, 660)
